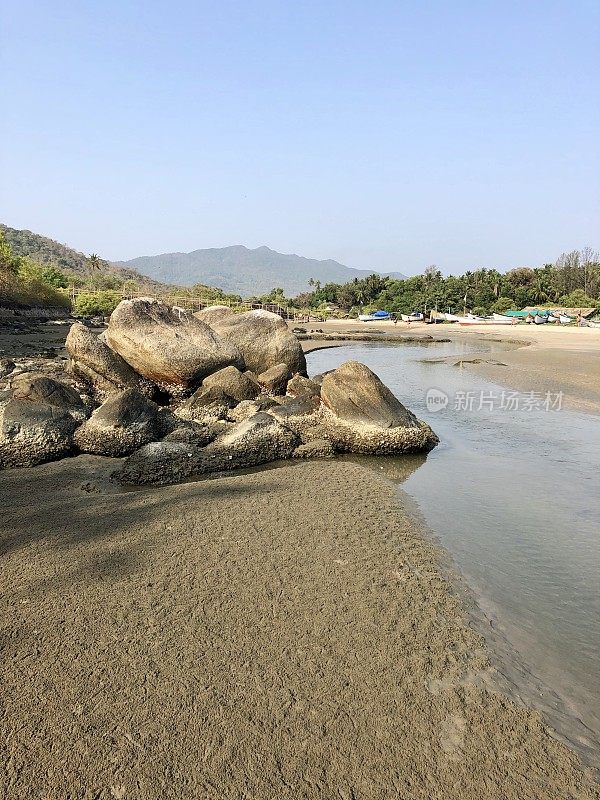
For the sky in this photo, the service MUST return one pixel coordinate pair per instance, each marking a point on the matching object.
(385, 135)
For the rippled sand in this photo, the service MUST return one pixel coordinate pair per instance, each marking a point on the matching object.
(286, 633)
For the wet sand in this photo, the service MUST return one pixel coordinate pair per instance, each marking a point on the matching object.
(247, 636)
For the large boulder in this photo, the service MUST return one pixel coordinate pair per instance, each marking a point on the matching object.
(355, 394)
(263, 339)
(37, 388)
(256, 440)
(212, 314)
(234, 383)
(92, 360)
(125, 422)
(161, 463)
(32, 432)
(169, 347)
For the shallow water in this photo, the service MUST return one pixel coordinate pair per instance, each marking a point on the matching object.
(514, 496)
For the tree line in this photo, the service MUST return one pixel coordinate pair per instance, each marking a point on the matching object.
(572, 281)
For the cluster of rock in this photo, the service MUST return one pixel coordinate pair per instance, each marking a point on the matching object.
(180, 394)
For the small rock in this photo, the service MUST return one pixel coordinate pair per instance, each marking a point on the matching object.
(205, 404)
(234, 383)
(299, 386)
(275, 379)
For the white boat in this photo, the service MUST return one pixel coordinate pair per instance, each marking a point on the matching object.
(502, 319)
(415, 317)
(365, 317)
(452, 317)
(473, 320)
(540, 319)
(564, 319)
(592, 324)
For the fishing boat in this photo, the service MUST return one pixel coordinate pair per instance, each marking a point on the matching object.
(376, 316)
(414, 317)
(593, 323)
(473, 320)
(452, 317)
(564, 319)
(502, 319)
(540, 319)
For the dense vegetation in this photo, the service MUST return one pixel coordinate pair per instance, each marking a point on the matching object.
(34, 270)
(24, 282)
(90, 272)
(573, 281)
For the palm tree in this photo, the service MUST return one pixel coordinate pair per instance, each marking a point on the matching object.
(94, 263)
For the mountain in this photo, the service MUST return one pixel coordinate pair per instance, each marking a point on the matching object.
(239, 270)
(47, 251)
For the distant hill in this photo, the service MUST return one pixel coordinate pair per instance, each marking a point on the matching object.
(47, 251)
(246, 272)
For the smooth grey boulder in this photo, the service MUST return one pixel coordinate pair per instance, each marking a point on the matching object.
(32, 432)
(263, 339)
(36, 387)
(122, 424)
(234, 383)
(355, 394)
(91, 360)
(275, 379)
(169, 347)
(207, 403)
(212, 314)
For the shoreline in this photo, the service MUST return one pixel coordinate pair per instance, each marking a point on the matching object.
(192, 626)
(231, 613)
(540, 360)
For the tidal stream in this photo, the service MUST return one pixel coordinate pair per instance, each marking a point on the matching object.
(512, 493)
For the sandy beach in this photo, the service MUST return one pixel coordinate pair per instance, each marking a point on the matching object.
(252, 636)
(246, 636)
(538, 358)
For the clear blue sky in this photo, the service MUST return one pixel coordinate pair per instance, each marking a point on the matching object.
(389, 135)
